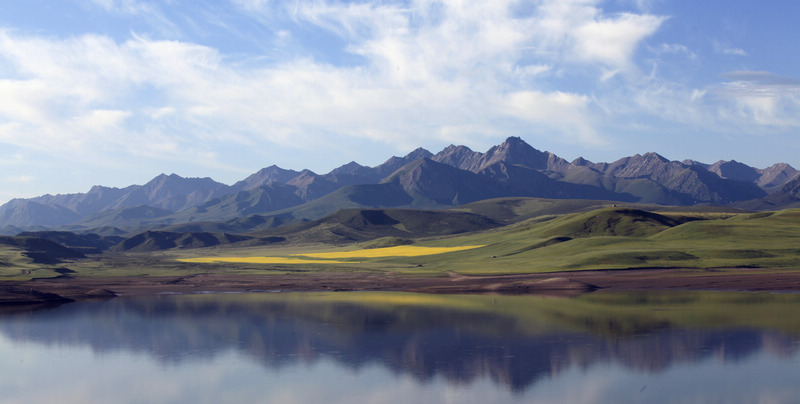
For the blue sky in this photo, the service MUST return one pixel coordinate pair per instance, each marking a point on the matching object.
(115, 92)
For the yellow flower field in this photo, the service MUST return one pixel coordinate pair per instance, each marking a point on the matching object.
(259, 260)
(398, 251)
(329, 257)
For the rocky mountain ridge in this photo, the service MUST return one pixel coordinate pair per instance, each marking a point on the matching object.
(420, 179)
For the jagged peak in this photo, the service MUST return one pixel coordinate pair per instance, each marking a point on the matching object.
(348, 168)
(778, 167)
(580, 161)
(514, 140)
(162, 178)
(418, 153)
(452, 148)
(352, 164)
(654, 155)
(272, 168)
(514, 144)
(101, 188)
(306, 172)
(690, 162)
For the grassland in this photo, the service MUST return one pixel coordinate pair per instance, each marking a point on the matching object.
(14, 265)
(616, 238)
(601, 239)
(609, 238)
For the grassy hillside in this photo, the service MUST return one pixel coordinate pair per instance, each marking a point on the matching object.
(31, 257)
(624, 238)
(609, 238)
(606, 238)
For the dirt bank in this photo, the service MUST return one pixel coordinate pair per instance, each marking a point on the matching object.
(56, 290)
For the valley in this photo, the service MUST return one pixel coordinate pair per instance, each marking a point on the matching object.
(511, 220)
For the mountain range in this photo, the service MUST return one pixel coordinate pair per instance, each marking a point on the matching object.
(456, 175)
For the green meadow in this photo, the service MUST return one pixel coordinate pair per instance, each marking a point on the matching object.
(610, 238)
(618, 238)
(607, 238)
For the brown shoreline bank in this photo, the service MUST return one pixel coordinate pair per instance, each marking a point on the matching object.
(64, 289)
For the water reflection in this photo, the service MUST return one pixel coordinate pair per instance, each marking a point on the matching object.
(523, 347)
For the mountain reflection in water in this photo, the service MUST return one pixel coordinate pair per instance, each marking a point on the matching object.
(514, 342)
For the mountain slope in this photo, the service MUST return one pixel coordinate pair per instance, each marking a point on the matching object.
(161, 240)
(355, 225)
(83, 243)
(788, 196)
(454, 176)
(26, 212)
(443, 185)
(41, 251)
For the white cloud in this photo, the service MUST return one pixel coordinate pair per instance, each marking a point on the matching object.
(21, 179)
(677, 49)
(449, 70)
(567, 112)
(747, 102)
(726, 49)
(759, 98)
(734, 51)
(612, 42)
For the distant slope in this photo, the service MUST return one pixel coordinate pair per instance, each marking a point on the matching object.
(24, 213)
(625, 238)
(41, 251)
(454, 176)
(388, 195)
(788, 196)
(128, 218)
(261, 199)
(168, 192)
(83, 243)
(356, 225)
(434, 184)
(610, 222)
(161, 240)
(512, 210)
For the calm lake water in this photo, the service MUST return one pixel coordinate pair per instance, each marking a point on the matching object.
(400, 348)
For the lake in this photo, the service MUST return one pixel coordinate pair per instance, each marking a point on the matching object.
(668, 347)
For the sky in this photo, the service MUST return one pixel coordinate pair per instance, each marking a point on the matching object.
(116, 92)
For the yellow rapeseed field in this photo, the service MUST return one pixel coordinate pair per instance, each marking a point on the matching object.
(259, 260)
(398, 251)
(329, 257)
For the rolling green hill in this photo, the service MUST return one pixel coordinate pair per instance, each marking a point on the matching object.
(620, 238)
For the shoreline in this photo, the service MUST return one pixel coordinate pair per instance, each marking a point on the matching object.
(65, 289)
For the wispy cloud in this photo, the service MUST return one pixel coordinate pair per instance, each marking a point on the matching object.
(734, 51)
(758, 97)
(429, 68)
(676, 49)
(726, 49)
(447, 70)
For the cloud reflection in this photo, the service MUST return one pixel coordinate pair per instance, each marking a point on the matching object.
(305, 349)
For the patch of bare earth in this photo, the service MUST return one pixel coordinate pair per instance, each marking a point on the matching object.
(57, 290)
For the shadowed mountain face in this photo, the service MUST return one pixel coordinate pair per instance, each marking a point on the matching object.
(788, 196)
(162, 240)
(40, 250)
(83, 243)
(451, 177)
(355, 225)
